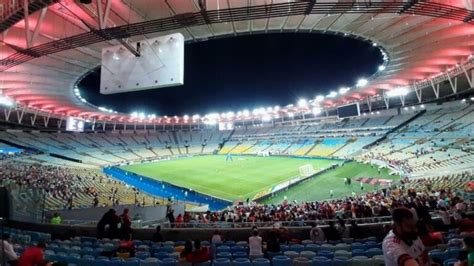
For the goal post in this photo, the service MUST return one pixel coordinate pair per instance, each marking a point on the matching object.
(307, 170)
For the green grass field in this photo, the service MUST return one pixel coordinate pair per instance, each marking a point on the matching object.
(318, 188)
(248, 175)
(239, 179)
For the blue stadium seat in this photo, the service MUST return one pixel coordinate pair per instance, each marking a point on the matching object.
(142, 255)
(161, 255)
(438, 255)
(450, 262)
(321, 261)
(241, 262)
(168, 262)
(260, 262)
(453, 252)
(224, 255)
(222, 262)
(374, 252)
(311, 247)
(326, 253)
(281, 261)
(296, 247)
(239, 254)
(338, 261)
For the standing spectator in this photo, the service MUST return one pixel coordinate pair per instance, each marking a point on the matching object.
(125, 224)
(157, 237)
(402, 246)
(33, 256)
(317, 234)
(445, 218)
(108, 225)
(342, 229)
(332, 233)
(466, 256)
(8, 255)
(273, 243)
(255, 245)
(56, 219)
(170, 216)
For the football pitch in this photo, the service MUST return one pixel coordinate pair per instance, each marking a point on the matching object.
(245, 176)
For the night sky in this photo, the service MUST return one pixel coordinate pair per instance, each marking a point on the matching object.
(246, 72)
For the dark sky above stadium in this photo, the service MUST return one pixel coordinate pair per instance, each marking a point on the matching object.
(247, 72)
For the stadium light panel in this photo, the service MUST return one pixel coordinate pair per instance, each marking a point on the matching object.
(316, 111)
(6, 101)
(332, 94)
(141, 115)
(422, 106)
(186, 117)
(400, 91)
(83, 100)
(276, 108)
(196, 116)
(362, 82)
(319, 98)
(374, 44)
(413, 107)
(266, 118)
(246, 112)
(343, 90)
(381, 68)
(302, 103)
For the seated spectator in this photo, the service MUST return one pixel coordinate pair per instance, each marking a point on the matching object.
(200, 254)
(33, 256)
(111, 220)
(187, 250)
(216, 238)
(255, 245)
(8, 252)
(273, 243)
(157, 237)
(466, 256)
(317, 234)
(466, 224)
(402, 246)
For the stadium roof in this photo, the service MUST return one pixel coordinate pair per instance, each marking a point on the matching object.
(41, 66)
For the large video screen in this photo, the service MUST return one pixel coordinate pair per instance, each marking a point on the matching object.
(349, 110)
(74, 124)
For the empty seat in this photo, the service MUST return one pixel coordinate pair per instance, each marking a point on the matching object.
(291, 254)
(297, 248)
(339, 261)
(224, 255)
(343, 254)
(281, 261)
(308, 254)
(222, 262)
(168, 262)
(241, 262)
(301, 261)
(239, 254)
(321, 261)
(361, 261)
(260, 262)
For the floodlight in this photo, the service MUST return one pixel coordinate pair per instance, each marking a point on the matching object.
(316, 110)
(246, 112)
(266, 118)
(6, 101)
(413, 107)
(302, 103)
(276, 108)
(362, 82)
(186, 117)
(381, 68)
(230, 114)
(196, 116)
(374, 44)
(400, 91)
(343, 90)
(422, 106)
(134, 114)
(332, 94)
(319, 98)
(141, 115)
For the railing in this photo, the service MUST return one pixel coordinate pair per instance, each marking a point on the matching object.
(10, 8)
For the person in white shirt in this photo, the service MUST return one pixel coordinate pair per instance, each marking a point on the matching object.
(8, 251)
(402, 246)
(317, 234)
(216, 238)
(255, 245)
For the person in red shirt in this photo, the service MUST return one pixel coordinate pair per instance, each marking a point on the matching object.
(200, 254)
(33, 256)
(125, 224)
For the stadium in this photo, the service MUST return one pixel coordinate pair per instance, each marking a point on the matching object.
(331, 178)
